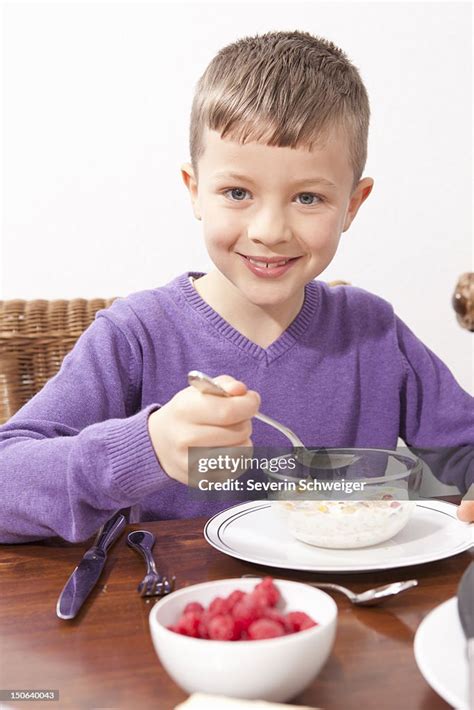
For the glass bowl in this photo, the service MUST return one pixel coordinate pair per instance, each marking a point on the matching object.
(359, 505)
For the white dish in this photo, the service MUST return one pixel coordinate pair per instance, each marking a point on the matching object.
(252, 532)
(440, 653)
(274, 669)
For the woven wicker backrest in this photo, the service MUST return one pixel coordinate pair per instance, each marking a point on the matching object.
(34, 338)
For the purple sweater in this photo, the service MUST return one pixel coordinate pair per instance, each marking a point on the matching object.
(346, 372)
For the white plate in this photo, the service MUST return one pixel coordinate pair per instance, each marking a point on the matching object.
(252, 532)
(440, 652)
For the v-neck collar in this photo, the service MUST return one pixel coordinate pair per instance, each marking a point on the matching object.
(279, 346)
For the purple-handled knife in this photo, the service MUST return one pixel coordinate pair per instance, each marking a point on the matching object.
(85, 576)
(466, 615)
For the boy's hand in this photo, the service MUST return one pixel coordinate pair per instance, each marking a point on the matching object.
(466, 509)
(192, 418)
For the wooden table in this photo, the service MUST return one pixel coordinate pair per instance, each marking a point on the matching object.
(105, 658)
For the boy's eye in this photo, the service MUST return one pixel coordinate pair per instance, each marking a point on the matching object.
(236, 193)
(309, 198)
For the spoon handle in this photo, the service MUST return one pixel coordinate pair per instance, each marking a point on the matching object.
(320, 585)
(206, 384)
(335, 587)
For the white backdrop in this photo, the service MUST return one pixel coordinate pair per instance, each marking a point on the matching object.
(96, 100)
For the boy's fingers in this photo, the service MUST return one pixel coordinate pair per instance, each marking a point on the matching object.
(466, 512)
(211, 436)
(466, 509)
(221, 410)
(231, 385)
(236, 387)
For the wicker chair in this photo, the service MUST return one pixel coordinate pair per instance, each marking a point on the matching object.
(34, 338)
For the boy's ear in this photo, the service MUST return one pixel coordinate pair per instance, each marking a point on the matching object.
(360, 194)
(189, 179)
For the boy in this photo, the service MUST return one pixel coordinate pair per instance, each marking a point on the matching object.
(278, 145)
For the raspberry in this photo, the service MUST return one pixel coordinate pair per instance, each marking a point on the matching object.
(265, 629)
(300, 620)
(259, 599)
(223, 627)
(219, 605)
(203, 628)
(233, 598)
(193, 606)
(275, 615)
(307, 624)
(245, 611)
(241, 616)
(267, 591)
(188, 623)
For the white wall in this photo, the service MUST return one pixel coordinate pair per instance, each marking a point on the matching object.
(95, 109)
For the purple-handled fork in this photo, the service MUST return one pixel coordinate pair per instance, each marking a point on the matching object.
(153, 584)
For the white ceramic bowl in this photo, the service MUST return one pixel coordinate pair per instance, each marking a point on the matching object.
(274, 669)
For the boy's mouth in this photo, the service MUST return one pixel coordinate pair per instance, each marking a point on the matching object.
(271, 262)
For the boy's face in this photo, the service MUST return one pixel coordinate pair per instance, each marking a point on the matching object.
(266, 202)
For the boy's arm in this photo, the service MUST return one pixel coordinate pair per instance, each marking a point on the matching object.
(79, 450)
(437, 415)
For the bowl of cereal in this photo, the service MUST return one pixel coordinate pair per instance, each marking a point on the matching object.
(243, 638)
(360, 505)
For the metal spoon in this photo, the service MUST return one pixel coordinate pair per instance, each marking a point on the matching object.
(313, 459)
(371, 597)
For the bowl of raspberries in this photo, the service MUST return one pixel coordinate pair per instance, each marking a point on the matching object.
(248, 638)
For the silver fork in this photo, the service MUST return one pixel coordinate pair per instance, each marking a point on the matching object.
(153, 584)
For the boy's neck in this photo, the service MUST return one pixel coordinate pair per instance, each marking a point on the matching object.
(262, 325)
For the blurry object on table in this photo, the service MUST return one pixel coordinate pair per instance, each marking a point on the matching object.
(203, 701)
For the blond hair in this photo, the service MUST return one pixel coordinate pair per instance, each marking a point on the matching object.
(282, 89)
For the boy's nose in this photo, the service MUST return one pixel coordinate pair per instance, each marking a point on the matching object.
(269, 227)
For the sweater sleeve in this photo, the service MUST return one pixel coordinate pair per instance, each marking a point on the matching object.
(437, 415)
(79, 450)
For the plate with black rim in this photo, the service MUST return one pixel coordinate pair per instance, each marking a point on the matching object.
(254, 533)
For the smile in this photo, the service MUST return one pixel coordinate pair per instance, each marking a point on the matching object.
(268, 266)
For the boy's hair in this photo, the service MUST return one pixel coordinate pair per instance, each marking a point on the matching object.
(283, 89)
